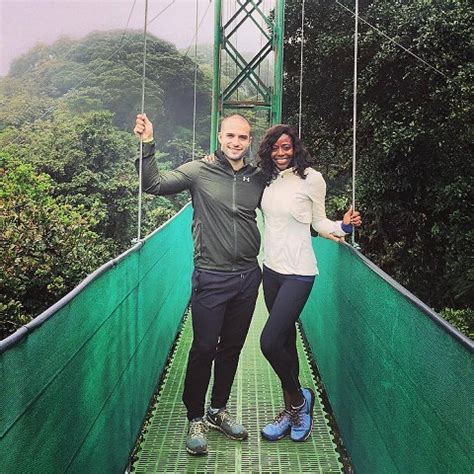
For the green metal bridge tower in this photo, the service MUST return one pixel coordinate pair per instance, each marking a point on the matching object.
(264, 90)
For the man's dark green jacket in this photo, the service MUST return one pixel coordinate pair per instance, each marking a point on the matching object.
(225, 233)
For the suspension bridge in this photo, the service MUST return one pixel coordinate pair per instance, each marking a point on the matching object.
(94, 383)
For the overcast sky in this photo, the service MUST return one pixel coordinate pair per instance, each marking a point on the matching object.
(24, 23)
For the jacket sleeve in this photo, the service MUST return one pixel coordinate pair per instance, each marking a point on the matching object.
(168, 182)
(317, 195)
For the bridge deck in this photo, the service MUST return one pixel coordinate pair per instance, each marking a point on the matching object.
(255, 399)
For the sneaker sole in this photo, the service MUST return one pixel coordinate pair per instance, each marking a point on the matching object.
(217, 427)
(196, 453)
(312, 419)
(264, 436)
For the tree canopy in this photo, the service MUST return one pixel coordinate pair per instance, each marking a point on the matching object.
(70, 186)
(414, 166)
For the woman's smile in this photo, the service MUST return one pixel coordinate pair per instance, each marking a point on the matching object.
(282, 152)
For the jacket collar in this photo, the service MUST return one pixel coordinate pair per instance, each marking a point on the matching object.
(223, 161)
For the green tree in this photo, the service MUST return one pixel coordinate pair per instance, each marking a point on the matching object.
(104, 70)
(49, 245)
(414, 159)
(91, 165)
(89, 162)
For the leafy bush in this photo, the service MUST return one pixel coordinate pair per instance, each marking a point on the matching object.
(462, 319)
(49, 245)
(414, 165)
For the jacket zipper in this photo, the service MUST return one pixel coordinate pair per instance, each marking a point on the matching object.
(234, 211)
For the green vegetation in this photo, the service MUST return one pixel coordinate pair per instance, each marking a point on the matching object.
(414, 135)
(50, 244)
(69, 186)
(463, 319)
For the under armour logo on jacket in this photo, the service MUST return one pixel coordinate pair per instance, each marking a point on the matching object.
(246, 178)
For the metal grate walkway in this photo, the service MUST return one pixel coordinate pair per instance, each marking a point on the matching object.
(255, 399)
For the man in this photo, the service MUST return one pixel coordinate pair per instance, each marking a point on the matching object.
(226, 278)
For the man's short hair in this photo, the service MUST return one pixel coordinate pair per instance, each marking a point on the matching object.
(236, 116)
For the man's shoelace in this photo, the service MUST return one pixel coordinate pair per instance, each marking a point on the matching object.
(224, 415)
(197, 428)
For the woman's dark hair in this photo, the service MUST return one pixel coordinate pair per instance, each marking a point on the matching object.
(301, 158)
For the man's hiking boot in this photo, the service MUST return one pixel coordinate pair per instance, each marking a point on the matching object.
(196, 441)
(222, 421)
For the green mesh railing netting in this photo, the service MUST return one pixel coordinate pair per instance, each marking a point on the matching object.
(399, 382)
(75, 391)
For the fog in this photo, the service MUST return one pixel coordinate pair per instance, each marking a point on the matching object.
(23, 24)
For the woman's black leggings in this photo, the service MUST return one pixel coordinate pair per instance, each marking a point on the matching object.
(285, 297)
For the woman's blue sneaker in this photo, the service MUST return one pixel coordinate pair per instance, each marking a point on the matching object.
(278, 428)
(302, 419)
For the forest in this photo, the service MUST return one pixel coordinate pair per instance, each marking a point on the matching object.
(69, 188)
(68, 182)
(414, 168)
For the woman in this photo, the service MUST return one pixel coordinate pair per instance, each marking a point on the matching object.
(293, 200)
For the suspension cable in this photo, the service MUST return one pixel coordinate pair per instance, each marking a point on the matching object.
(354, 112)
(161, 12)
(300, 110)
(140, 160)
(198, 28)
(195, 77)
(378, 30)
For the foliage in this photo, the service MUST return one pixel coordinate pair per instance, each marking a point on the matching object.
(462, 319)
(50, 245)
(70, 200)
(179, 150)
(414, 162)
(103, 71)
(90, 164)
